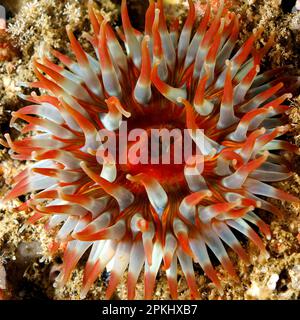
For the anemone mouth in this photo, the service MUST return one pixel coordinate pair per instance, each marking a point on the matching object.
(172, 178)
(159, 161)
(134, 214)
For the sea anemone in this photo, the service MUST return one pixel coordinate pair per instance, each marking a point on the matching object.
(136, 215)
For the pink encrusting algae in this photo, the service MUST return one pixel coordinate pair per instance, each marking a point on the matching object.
(134, 216)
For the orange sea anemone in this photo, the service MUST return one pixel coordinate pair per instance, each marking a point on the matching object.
(136, 215)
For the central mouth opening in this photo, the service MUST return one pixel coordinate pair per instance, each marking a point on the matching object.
(155, 146)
